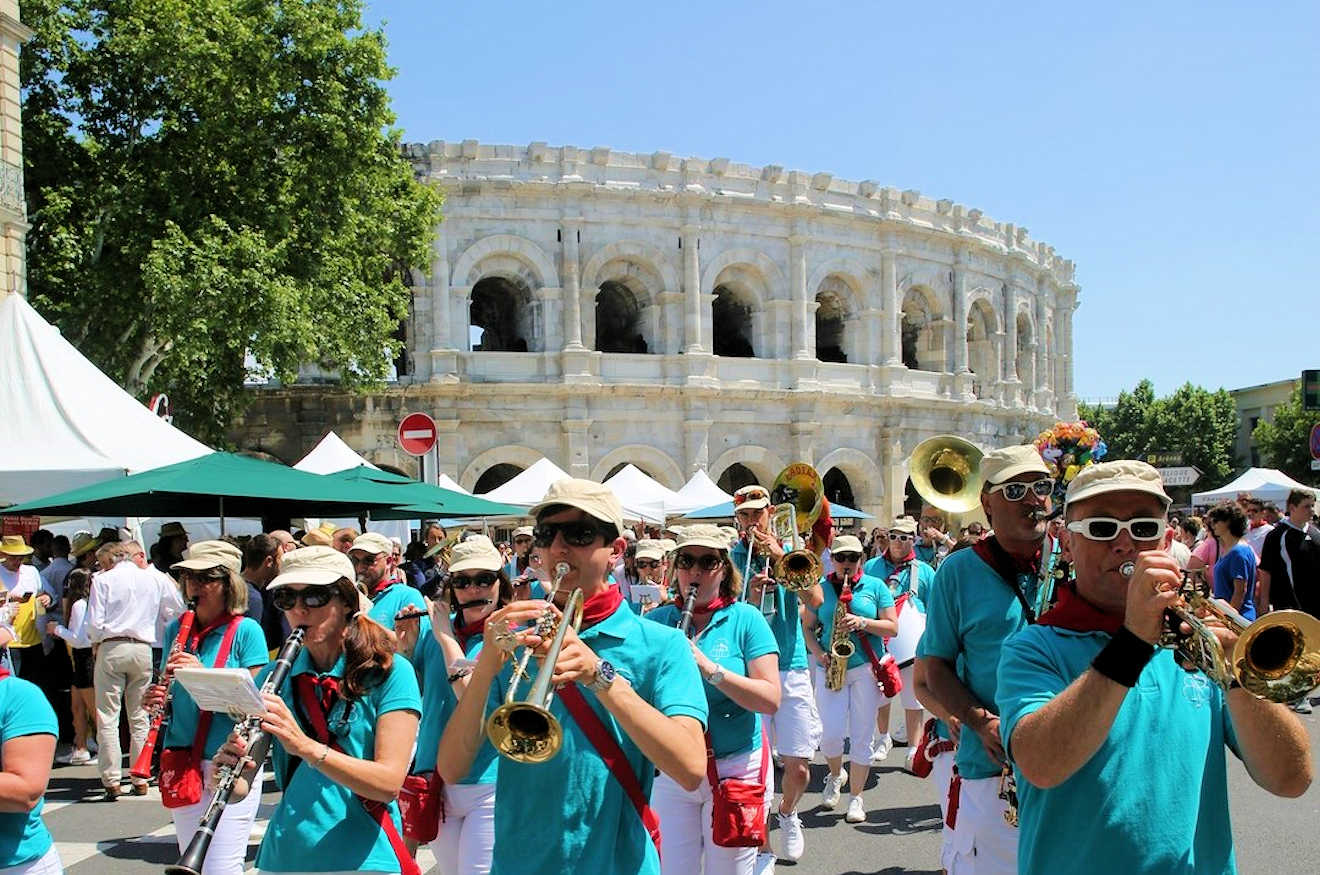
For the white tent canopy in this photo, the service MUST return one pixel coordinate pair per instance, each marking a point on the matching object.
(1266, 484)
(66, 424)
(640, 495)
(331, 455)
(700, 491)
(444, 481)
(528, 487)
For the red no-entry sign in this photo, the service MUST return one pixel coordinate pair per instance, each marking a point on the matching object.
(417, 434)
(1315, 441)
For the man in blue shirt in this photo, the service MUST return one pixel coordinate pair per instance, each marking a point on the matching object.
(370, 555)
(981, 596)
(1119, 751)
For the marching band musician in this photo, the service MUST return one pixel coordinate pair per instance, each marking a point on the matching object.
(344, 722)
(522, 549)
(739, 659)
(477, 586)
(652, 566)
(1094, 711)
(849, 712)
(982, 596)
(795, 727)
(629, 701)
(28, 732)
(904, 574)
(210, 576)
(370, 554)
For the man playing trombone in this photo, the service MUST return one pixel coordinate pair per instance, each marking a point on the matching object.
(1095, 713)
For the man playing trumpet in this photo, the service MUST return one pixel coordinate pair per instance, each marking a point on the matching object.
(1094, 712)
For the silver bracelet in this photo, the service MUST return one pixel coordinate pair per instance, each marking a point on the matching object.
(325, 752)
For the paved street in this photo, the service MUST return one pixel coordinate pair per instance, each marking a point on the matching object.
(900, 835)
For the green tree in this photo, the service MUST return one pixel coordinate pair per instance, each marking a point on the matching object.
(1285, 442)
(212, 179)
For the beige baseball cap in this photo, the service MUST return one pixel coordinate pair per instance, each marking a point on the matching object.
(476, 552)
(846, 544)
(752, 497)
(372, 542)
(211, 554)
(588, 496)
(316, 566)
(703, 535)
(668, 544)
(905, 524)
(522, 532)
(1009, 462)
(650, 548)
(1126, 475)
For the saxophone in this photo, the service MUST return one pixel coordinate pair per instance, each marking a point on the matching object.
(841, 646)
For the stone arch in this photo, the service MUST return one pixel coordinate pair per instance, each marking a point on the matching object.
(838, 309)
(982, 347)
(737, 317)
(760, 264)
(849, 270)
(764, 463)
(1026, 364)
(508, 314)
(921, 329)
(630, 252)
(862, 473)
(473, 265)
(523, 457)
(656, 462)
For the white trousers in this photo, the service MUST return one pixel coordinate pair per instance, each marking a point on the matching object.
(228, 852)
(795, 727)
(848, 713)
(941, 773)
(467, 834)
(47, 864)
(983, 843)
(908, 695)
(120, 676)
(686, 843)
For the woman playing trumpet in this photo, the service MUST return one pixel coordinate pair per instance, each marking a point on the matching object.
(344, 722)
(209, 573)
(739, 659)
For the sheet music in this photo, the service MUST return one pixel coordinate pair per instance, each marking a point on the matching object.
(230, 691)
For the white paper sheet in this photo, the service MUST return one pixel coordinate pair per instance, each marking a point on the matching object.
(228, 691)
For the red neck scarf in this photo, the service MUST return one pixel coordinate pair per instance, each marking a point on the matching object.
(468, 631)
(385, 583)
(1008, 565)
(196, 638)
(910, 557)
(601, 605)
(711, 606)
(1073, 612)
(4, 672)
(317, 697)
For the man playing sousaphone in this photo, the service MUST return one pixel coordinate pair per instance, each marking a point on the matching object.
(1095, 713)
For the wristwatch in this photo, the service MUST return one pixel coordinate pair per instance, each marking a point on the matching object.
(604, 677)
(716, 677)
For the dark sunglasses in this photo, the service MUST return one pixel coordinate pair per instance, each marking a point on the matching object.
(708, 561)
(365, 558)
(648, 563)
(201, 576)
(1016, 491)
(311, 597)
(464, 581)
(847, 557)
(578, 533)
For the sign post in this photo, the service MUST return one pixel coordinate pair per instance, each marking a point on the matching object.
(418, 436)
(1182, 475)
(1315, 447)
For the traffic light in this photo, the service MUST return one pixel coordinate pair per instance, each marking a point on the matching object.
(1311, 390)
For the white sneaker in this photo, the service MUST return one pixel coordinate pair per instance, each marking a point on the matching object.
(880, 750)
(856, 813)
(910, 760)
(765, 864)
(80, 758)
(833, 785)
(791, 843)
(900, 733)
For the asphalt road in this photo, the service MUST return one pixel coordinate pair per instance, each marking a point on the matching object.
(901, 833)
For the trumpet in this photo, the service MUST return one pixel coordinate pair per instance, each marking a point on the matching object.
(525, 731)
(1276, 658)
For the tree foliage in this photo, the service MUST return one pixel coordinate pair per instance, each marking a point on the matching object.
(1285, 442)
(1193, 421)
(211, 179)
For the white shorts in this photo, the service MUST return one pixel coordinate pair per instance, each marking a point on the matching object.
(47, 864)
(908, 694)
(796, 725)
(983, 843)
(941, 773)
(686, 845)
(848, 713)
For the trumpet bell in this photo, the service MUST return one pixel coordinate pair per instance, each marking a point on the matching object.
(946, 472)
(1278, 656)
(525, 733)
(798, 570)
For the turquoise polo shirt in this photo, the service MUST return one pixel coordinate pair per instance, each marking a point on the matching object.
(569, 813)
(438, 704)
(927, 553)
(870, 596)
(248, 650)
(1154, 797)
(395, 598)
(785, 624)
(882, 568)
(319, 825)
(971, 613)
(24, 711)
(736, 634)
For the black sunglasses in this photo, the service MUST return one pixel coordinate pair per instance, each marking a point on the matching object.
(648, 563)
(463, 581)
(577, 533)
(707, 561)
(311, 596)
(847, 557)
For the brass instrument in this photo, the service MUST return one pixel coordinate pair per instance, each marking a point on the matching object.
(1276, 658)
(946, 472)
(841, 646)
(525, 731)
(797, 495)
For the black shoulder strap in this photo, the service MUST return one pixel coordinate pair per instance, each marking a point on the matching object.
(1003, 565)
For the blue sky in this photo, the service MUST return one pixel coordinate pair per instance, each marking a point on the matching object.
(1170, 151)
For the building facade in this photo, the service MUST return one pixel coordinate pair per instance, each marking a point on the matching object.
(13, 207)
(600, 308)
(1255, 404)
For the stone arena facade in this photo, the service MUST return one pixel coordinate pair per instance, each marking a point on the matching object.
(600, 307)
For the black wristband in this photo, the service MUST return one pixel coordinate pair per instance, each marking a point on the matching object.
(1123, 658)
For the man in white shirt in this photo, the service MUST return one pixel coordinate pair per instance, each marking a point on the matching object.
(21, 582)
(127, 606)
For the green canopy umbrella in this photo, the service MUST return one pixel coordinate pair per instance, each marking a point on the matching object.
(219, 484)
(412, 499)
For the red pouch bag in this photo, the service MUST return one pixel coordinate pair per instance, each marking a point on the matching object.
(738, 817)
(181, 775)
(422, 806)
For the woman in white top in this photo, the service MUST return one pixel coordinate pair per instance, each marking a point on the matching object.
(81, 692)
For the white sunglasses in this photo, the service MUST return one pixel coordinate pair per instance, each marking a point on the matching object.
(1104, 528)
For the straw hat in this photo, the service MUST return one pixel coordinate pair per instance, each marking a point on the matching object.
(14, 545)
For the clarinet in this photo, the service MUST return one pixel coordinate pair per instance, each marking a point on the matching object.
(142, 768)
(688, 607)
(258, 743)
